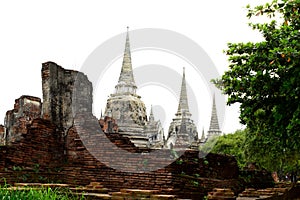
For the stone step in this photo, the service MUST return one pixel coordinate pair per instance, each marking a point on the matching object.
(136, 194)
(27, 184)
(222, 198)
(266, 192)
(90, 190)
(23, 188)
(221, 194)
(251, 194)
(95, 191)
(162, 197)
(50, 185)
(139, 192)
(94, 196)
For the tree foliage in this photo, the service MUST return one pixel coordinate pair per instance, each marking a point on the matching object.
(238, 144)
(230, 144)
(264, 77)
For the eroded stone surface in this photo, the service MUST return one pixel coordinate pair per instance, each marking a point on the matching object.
(26, 108)
(65, 93)
(108, 125)
(129, 111)
(2, 135)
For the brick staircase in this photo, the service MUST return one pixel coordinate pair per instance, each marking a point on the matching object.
(252, 194)
(140, 194)
(280, 191)
(96, 191)
(92, 191)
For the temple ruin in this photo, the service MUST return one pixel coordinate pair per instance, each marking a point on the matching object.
(58, 140)
(129, 111)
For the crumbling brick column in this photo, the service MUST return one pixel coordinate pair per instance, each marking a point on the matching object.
(26, 108)
(2, 135)
(65, 92)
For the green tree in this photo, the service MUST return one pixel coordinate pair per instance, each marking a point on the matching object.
(264, 77)
(230, 144)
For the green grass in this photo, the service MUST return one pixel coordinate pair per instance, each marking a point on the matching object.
(37, 194)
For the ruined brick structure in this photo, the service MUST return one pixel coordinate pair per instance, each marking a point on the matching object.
(176, 176)
(2, 135)
(65, 144)
(65, 92)
(108, 124)
(26, 108)
(59, 140)
(78, 166)
(41, 145)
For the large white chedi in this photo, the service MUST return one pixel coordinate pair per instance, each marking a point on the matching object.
(129, 111)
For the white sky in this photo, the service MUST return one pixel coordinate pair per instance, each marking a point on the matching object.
(66, 32)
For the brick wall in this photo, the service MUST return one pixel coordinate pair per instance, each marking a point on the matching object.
(43, 155)
(108, 125)
(41, 145)
(89, 154)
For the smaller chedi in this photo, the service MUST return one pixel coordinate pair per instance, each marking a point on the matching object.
(182, 131)
(214, 129)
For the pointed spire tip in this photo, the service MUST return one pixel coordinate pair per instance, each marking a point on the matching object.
(126, 81)
(151, 116)
(183, 99)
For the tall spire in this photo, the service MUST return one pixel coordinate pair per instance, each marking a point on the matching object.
(151, 116)
(182, 130)
(126, 83)
(202, 136)
(183, 107)
(214, 123)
